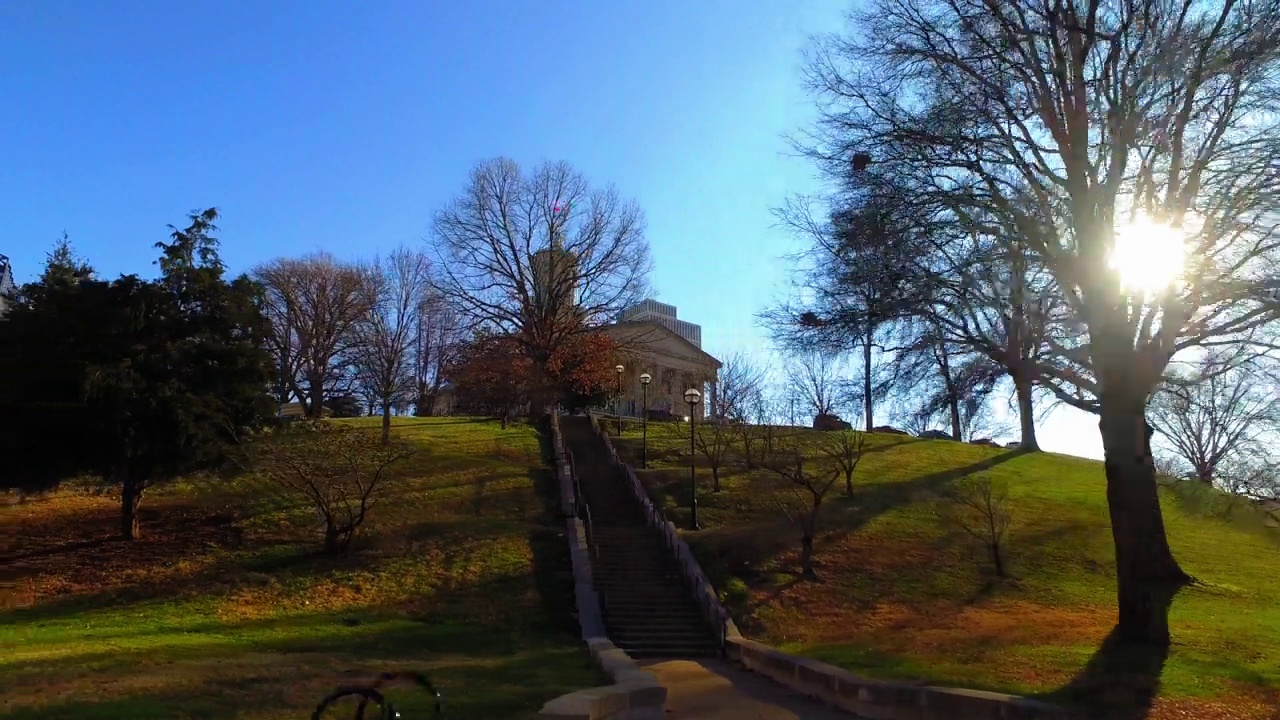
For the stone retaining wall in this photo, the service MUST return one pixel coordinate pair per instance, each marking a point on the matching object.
(879, 700)
(635, 694)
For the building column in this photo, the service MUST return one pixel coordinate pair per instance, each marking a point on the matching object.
(714, 402)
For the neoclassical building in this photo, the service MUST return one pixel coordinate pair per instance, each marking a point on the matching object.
(651, 339)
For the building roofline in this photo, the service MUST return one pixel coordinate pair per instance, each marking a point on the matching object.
(668, 331)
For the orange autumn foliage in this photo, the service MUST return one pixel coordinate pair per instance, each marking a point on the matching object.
(494, 375)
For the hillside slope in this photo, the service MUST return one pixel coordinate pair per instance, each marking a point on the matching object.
(225, 610)
(903, 596)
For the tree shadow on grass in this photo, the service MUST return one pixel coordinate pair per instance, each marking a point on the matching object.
(1122, 679)
(218, 579)
(288, 665)
(871, 501)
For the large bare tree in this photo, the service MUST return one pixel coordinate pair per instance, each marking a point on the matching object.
(438, 338)
(540, 256)
(814, 377)
(314, 304)
(879, 272)
(740, 385)
(396, 291)
(1066, 130)
(1216, 413)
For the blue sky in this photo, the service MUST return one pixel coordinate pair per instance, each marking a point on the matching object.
(342, 126)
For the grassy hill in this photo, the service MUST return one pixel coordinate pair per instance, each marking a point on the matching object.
(225, 610)
(901, 596)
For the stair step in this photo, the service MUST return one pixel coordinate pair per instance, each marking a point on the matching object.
(653, 615)
(648, 609)
(639, 603)
(624, 587)
(670, 636)
(650, 652)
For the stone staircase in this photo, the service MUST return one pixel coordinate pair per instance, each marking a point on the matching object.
(648, 609)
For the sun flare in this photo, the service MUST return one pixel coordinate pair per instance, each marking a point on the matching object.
(1148, 255)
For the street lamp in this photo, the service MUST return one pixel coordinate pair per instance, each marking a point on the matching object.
(619, 370)
(692, 397)
(644, 421)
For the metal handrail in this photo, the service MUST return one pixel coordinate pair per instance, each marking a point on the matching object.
(580, 507)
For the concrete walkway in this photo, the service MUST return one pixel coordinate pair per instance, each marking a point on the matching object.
(717, 690)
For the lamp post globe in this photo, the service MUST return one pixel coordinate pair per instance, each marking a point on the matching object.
(692, 396)
(645, 378)
(619, 369)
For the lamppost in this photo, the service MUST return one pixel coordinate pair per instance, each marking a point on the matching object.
(692, 397)
(644, 421)
(619, 370)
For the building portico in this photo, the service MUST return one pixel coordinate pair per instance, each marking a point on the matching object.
(674, 363)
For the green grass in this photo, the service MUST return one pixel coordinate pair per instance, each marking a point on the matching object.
(902, 597)
(225, 610)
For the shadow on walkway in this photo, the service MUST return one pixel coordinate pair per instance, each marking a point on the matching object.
(718, 690)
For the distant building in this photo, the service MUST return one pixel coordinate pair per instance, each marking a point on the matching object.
(665, 315)
(651, 339)
(295, 410)
(7, 286)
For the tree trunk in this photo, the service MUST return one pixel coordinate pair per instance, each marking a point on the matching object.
(997, 559)
(806, 556)
(130, 499)
(848, 483)
(715, 478)
(867, 404)
(386, 423)
(315, 399)
(953, 397)
(1026, 413)
(1146, 571)
(953, 401)
(332, 540)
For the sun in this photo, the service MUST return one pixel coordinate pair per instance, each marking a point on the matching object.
(1148, 255)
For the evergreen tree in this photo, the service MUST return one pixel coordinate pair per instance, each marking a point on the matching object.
(154, 379)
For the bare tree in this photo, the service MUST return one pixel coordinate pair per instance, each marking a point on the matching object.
(910, 419)
(541, 257)
(1059, 132)
(439, 337)
(713, 439)
(739, 399)
(979, 508)
(1215, 413)
(759, 434)
(738, 388)
(396, 291)
(813, 376)
(845, 449)
(941, 379)
(342, 471)
(1256, 477)
(314, 304)
(810, 481)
